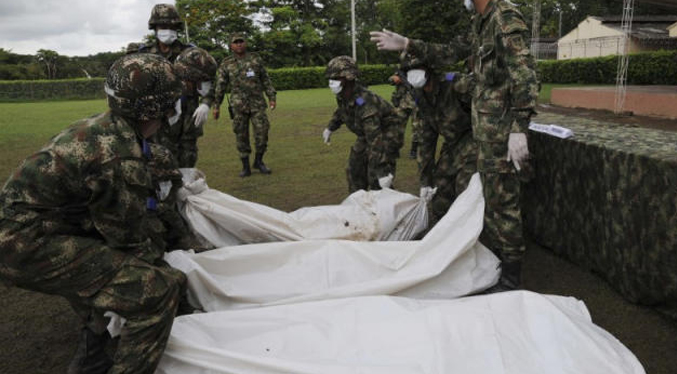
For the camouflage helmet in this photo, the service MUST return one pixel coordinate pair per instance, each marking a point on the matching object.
(142, 86)
(195, 64)
(165, 15)
(341, 66)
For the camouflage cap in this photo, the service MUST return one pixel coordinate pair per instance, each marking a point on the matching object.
(165, 15)
(133, 47)
(142, 86)
(195, 64)
(411, 62)
(237, 36)
(342, 67)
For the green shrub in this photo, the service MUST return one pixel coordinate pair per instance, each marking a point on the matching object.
(651, 68)
(62, 89)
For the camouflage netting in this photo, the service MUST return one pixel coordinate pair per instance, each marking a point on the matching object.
(607, 200)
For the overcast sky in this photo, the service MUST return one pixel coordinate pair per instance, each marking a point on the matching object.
(73, 27)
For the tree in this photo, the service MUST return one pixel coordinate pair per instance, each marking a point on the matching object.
(50, 59)
(211, 22)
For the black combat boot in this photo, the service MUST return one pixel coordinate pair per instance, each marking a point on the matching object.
(246, 170)
(511, 277)
(90, 356)
(258, 164)
(414, 149)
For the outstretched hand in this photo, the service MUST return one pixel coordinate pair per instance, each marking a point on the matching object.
(388, 40)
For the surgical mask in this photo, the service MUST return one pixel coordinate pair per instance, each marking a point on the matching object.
(204, 87)
(416, 78)
(335, 86)
(166, 36)
(469, 4)
(177, 113)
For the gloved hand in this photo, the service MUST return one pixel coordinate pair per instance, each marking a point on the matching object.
(386, 182)
(518, 151)
(326, 135)
(427, 193)
(201, 114)
(388, 40)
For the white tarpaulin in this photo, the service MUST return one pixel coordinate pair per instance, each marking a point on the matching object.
(224, 220)
(448, 262)
(508, 333)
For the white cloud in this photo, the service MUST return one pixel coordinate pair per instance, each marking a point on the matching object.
(73, 27)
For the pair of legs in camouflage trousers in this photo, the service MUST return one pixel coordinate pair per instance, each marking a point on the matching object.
(366, 165)
(454, 168)
(96, 278)
(502, 231)
(260, 125)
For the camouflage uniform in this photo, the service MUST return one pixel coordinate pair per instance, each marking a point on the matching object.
(504, 99)
(377, 127)
(75, 217)
(180, 138)
(248, 80)
(445, 112)
(405, 106)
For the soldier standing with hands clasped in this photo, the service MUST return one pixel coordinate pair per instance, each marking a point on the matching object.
(247, 78)
(503, 102)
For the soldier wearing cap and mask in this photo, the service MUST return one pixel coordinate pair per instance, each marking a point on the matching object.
(404, 103)
(197, 96)
(503, 101)
(376, 123)
(444, 107)
(75, 219)
(243, 72)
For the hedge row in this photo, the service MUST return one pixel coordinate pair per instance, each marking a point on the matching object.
(283, 79)
(62, 89)
(650, 68)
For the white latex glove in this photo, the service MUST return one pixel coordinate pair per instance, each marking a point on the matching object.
(518, 151)
(326, 135)
(427, 193)
(386, 182)
(201, 114)
(115, 324)
(388, 40)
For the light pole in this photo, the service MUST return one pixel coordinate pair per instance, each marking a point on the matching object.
(352, 21)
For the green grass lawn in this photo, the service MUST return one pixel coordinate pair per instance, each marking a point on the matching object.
(306, 172)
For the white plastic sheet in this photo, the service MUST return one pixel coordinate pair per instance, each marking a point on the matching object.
(448, 262)
(224, 220)
(509, 333)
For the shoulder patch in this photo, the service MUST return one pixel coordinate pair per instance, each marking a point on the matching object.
(359, 101)
(449, 77)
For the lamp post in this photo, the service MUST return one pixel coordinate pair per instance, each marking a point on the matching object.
(352, 27)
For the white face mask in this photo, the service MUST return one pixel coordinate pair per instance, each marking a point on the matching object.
(204, 87)
(166, 36)
(335, 86)
(416, 78)
(469, 4)
(177, 113)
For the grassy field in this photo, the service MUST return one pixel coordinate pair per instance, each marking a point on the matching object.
(305, 170)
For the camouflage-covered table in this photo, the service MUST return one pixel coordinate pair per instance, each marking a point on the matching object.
(607, 200)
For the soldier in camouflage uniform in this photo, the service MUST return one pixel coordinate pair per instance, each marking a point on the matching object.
(376, 123)
(504, 99)
(405, 105)
(196, 68)
(75, 219)
(197, 96)
(444, 107)
(247, 78)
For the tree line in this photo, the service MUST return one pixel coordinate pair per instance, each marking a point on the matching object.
(299, 33)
